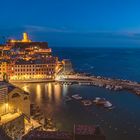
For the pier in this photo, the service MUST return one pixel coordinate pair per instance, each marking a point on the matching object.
(108, 83)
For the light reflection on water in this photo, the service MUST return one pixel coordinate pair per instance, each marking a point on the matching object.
(49, 91)
(52, 91)
(38, 92)
(57, 91)
(121, 123)
(65, 90)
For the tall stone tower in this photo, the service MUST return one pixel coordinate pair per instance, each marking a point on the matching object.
(25, 38)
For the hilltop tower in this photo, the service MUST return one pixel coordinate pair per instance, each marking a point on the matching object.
(25, 38)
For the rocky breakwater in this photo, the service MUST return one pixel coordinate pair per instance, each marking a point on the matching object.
(108, 83)
(116, 84)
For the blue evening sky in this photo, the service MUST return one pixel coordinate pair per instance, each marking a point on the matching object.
(89, 23)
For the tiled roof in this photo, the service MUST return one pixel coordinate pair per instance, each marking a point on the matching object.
(3, 135)
(84, 129)
(48, 135)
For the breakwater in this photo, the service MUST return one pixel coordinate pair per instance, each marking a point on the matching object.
(108, 83)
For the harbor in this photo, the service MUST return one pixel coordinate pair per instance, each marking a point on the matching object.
(59, 107)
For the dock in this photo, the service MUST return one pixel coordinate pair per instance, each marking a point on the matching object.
(108, 83)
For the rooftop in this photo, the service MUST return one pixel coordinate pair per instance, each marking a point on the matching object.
(11, 87)
(9, 117)
(81, 132)
(43, 45)
(37, 61)
(3, 135)
(84, 129)
(48, 135)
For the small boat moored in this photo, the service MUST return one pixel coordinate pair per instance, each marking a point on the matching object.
(107, 104)
(96, 99)
(102, 102)
(76, 97)
(86, 102)
(67, 98)
(99, 101)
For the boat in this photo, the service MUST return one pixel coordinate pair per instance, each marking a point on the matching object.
(107, 104)
(74, 95)
(77, 97)
(86, 102)
(101, 102)
(67, 98)
(96, 99)
(113, 107)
